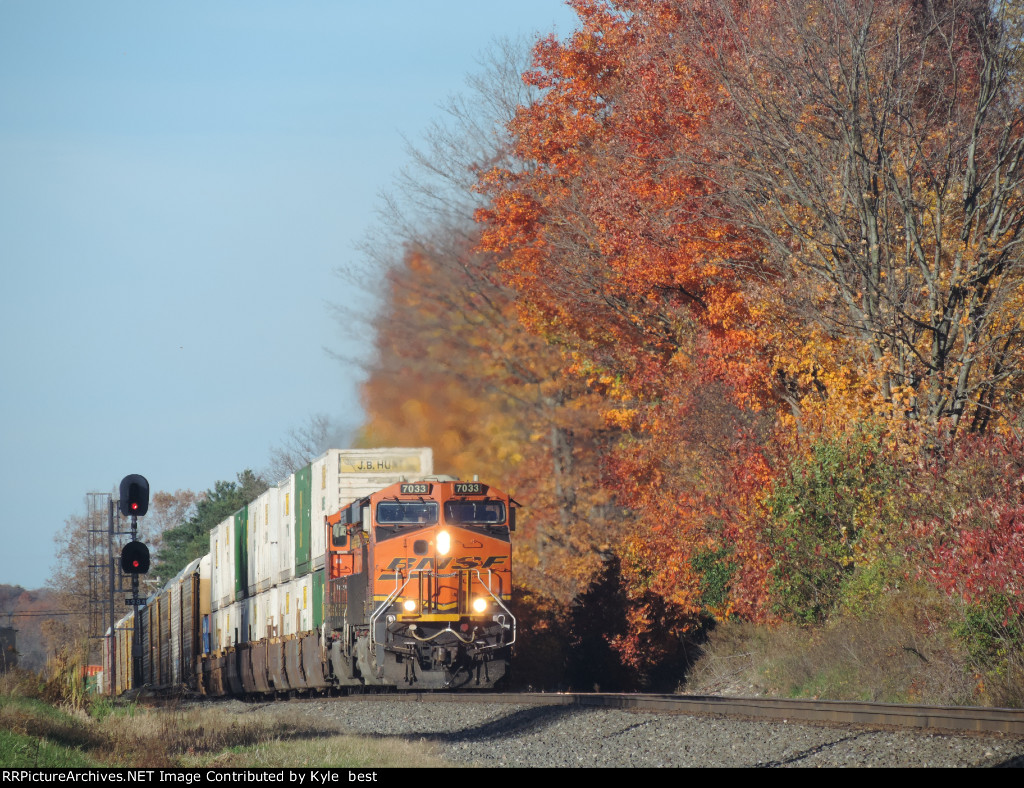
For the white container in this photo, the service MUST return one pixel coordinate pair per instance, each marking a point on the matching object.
(258, 616)
(218, 622)
(282, 541)
(222, 553)
(269, 517)
(252, 540)
(260, 512)
(340, 476)
(304, 603)
(229, 624)
(272, 620)
(290, 601)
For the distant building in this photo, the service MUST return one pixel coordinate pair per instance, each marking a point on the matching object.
(8, 649)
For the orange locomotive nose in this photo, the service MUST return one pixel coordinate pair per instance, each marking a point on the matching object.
(441, 558)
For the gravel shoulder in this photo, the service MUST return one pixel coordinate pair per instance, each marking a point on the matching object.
(490, 734)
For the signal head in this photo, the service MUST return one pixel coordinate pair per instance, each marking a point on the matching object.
(135, 558)
(134, 495)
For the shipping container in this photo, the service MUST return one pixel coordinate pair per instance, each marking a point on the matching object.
(262, 513)
(240, 567)
(274, 622)
(222, 553)
(340, 476)
(303, 486)
(283, 541)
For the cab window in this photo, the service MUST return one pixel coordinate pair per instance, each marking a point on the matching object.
(407, 512)
(474, 512)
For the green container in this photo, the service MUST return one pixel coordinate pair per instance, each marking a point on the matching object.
(318, 598)
(242, 553)
(303, 512)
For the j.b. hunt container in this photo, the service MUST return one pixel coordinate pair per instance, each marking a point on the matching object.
(339, 477)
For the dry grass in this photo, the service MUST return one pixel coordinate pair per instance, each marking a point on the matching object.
(34, 732)
(907, 655)
(201, 735)
(329, 751)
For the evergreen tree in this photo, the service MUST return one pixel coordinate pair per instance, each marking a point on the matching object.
(191, 539)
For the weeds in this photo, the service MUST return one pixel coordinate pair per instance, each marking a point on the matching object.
(906, 654)
(105, 732)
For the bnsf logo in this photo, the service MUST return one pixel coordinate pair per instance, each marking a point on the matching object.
(467, 562)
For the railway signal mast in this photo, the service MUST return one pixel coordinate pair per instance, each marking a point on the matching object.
(134, 503)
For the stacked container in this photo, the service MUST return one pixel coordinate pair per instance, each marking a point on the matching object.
(266, 561)
(222, 552)
(282, 542)
(339, 477)
(263, 580)
(264, 516)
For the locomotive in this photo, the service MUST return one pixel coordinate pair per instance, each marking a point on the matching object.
(363, 569)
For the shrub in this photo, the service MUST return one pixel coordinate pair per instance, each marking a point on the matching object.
(829, 516)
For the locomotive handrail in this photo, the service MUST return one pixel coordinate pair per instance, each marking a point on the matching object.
(399, 588)
(501, 604)
(393, 596)
(386, 604)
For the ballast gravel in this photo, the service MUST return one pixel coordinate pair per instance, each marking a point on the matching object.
(495, 735)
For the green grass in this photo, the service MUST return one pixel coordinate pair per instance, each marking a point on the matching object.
(12, 705)
(34, 733)
(21, 750)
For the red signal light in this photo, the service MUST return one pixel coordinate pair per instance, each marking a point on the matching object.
(135, 558)
(134, 496)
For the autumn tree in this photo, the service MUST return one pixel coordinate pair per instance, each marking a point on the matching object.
(167, 511)
(620, 252)
(874, 150)
(81, 548)
(455, 369)
(726, 256)
(303, 444)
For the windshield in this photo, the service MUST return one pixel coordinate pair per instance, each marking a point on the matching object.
(482, 512)
(407, 512)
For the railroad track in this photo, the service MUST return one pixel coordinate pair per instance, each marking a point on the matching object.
(939, 718)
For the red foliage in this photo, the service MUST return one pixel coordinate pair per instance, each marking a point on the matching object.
(977, 552)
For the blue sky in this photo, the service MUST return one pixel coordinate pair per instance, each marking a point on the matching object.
(178, 183)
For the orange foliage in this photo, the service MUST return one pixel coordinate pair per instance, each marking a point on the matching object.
(456, 370)
(620, 252)
(682, 278)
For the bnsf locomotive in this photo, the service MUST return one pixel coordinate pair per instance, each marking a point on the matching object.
(362, 569)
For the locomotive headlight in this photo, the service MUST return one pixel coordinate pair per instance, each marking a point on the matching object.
(479, 605)
(410, 605)
(444, 542)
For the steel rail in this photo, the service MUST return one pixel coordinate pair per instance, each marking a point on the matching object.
(975, 719)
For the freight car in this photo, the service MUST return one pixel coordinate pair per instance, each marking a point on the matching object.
(388, 576)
